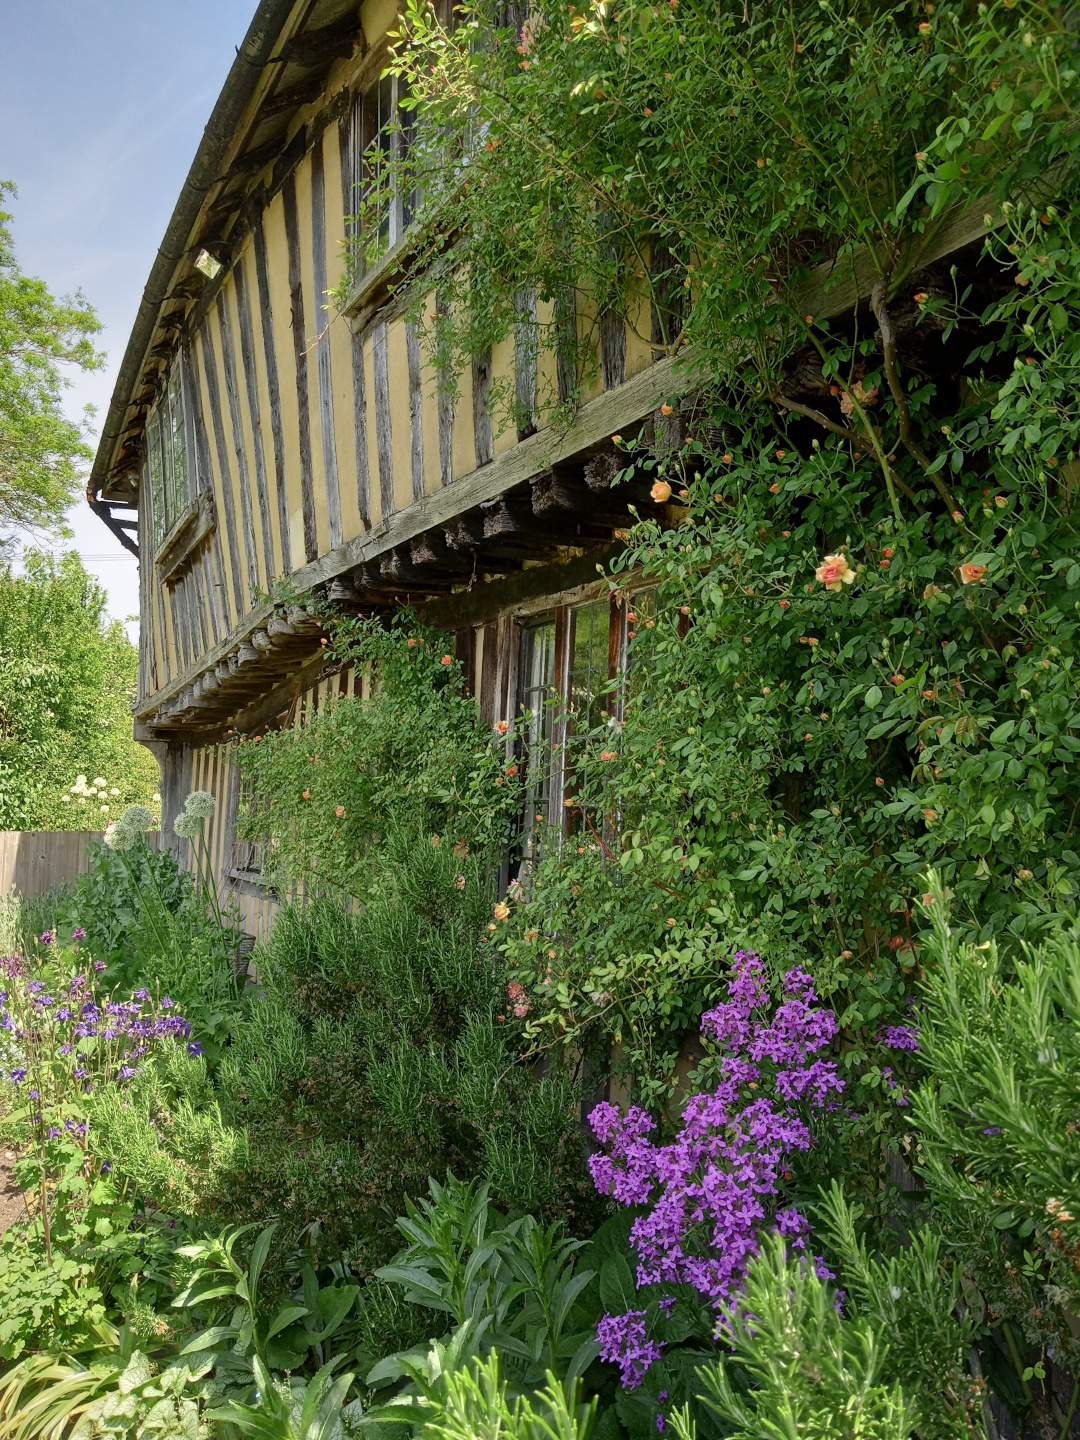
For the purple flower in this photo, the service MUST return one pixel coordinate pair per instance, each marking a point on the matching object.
(69, 1126)
(126, 1072)
(99, 966)
(83, 1129)
(195, 1048)
(623, 1343)
(142, 994)
(54, 1133)
(167, 1004)
(78, 933)
(660, 1422)
(36, 986)
(65, 1049)
(993, 1130)
(35, 1094)
(80, 1073)
(43, 1000)
(713, 1189)
(48, 936)
(18, 1076)
(106, 1169)
(899, 1037)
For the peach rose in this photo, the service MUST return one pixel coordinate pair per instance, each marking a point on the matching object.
(972, 574)
(661, 492)
(834, 572)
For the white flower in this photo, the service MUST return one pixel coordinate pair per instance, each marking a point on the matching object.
(156, 798)
(104, 809)
(187, 826)
(895, 1291)
(114, 791)
(80, 782)
(201, 804)
(118, 837)
(65, 799)
(82, 799)
(100, 783)
(137, 817)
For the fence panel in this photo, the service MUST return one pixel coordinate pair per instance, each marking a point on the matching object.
(35, 861)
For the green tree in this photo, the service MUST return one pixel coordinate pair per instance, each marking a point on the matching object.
(67, 678)
(40, 448)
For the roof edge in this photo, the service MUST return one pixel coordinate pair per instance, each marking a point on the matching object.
(254, 52)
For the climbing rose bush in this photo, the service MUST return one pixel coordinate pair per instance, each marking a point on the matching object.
(717, 1186)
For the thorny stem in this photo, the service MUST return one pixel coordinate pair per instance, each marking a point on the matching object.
(853, 438)
(880, 307)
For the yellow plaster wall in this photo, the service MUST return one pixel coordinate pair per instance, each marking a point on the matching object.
(400, 420)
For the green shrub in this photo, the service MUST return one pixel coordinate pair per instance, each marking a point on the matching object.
(996, 1117)
(415, 757)
(383, 1049)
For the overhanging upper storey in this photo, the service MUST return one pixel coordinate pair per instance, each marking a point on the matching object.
(283, 64)
(265, 434)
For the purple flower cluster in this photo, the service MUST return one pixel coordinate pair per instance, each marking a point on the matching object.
(105, 1039)
(623, 1342)
(714, 1188)
(899, 1037)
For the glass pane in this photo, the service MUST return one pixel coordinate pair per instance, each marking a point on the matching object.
(589, 665)
(178, 470)
(157, 482)
(536, 676)
(371, 194)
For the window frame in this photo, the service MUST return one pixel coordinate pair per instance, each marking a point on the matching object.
(549, 786)
(169, 460)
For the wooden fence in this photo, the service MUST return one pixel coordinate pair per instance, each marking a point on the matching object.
(34, 861)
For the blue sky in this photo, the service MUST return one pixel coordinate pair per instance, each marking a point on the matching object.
(101, 109)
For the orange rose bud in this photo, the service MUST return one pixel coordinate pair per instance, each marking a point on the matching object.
(661, 492)
(667, 409)
(447, 660)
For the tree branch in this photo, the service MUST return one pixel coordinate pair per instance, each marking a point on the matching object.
(879, 305)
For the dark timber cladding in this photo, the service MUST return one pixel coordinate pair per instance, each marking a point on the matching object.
(322, 323)
(215, 571)
(416, 409)
(247, 352)
(214, 396)
(232, 389)
(266, 322)
(200, 461)
(363, 480)
(383, 439)
(481, 400)
(299, 329)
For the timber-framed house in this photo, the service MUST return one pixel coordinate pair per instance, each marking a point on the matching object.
(257, 435)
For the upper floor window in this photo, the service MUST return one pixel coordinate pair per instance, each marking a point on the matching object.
(167, 458)
(381, 136)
